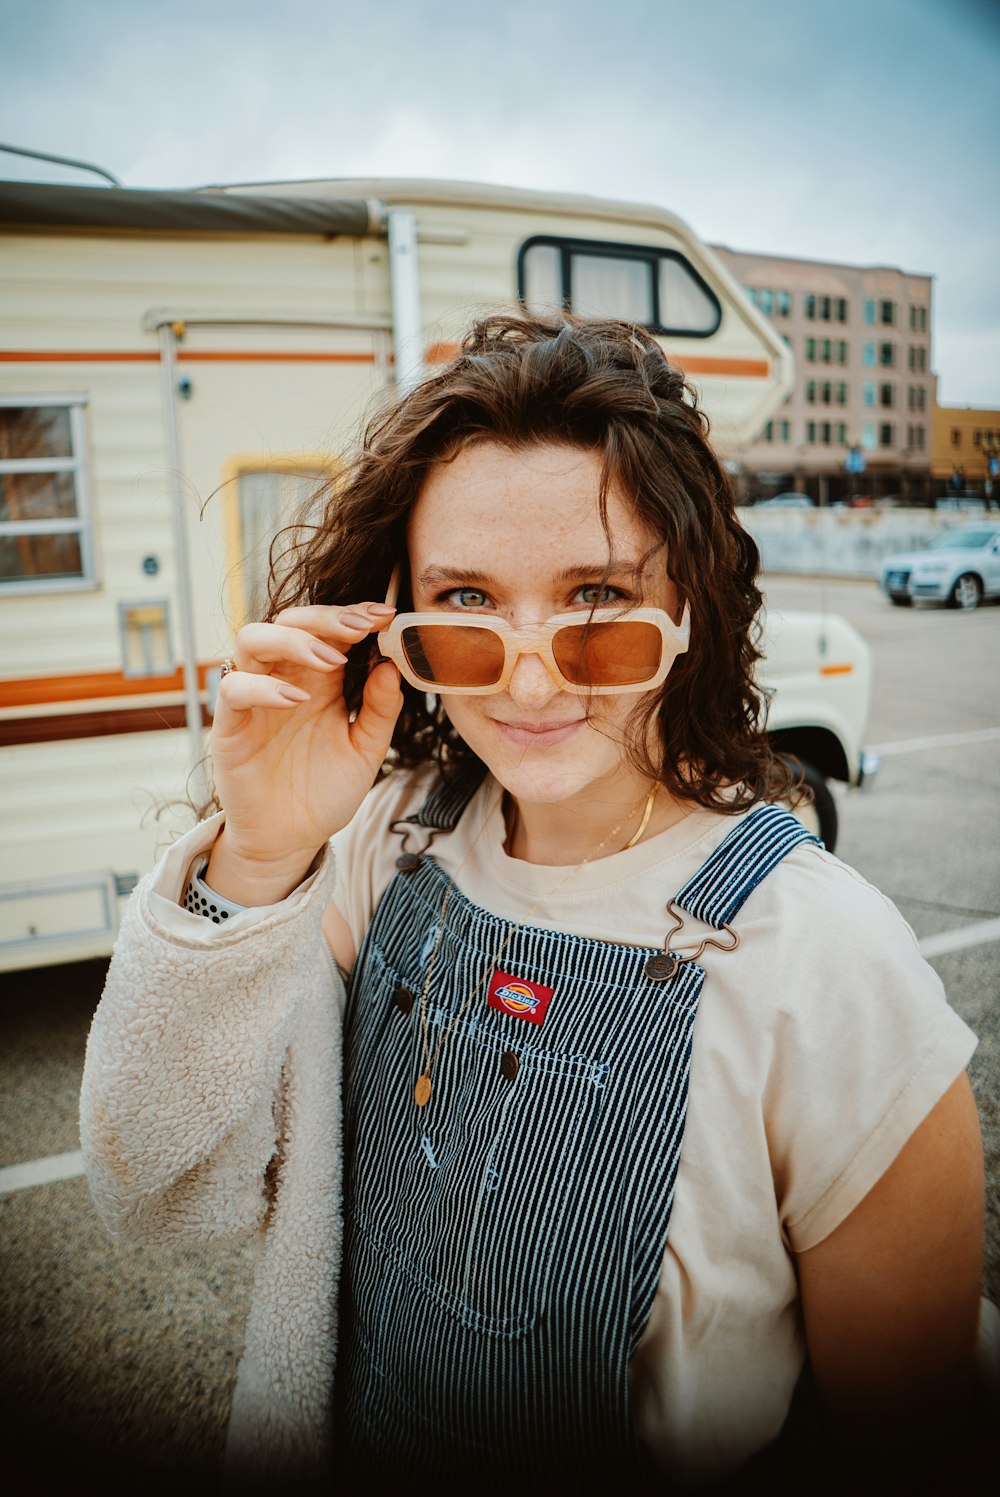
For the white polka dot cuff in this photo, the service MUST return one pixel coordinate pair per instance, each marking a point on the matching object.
(201, 900)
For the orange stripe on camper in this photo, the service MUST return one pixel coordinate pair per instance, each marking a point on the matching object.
(697, 363)
(35, 691)
(437, 353)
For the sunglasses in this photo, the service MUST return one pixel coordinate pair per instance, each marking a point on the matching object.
(588, 654)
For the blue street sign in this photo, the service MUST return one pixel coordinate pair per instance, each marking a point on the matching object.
(854, 462)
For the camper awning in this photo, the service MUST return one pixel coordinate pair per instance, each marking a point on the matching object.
(184, 212)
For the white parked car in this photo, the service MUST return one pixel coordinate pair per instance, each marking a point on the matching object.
(960, 568)
(819, 669)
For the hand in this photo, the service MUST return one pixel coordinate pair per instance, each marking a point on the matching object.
(290, 766)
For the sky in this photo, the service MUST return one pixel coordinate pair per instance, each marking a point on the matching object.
(865, 131)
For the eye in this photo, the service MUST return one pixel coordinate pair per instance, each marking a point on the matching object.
(465, 597)
(593, 595)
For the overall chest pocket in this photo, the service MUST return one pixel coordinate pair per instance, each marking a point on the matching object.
(469, 1199)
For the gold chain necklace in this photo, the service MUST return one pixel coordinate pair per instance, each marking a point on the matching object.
(422, 1090)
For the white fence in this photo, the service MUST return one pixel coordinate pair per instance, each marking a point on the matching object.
(846, 542)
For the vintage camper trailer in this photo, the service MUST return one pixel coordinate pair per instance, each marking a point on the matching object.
(176, 371)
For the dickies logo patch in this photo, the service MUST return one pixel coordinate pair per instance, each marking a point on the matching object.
(519, 997)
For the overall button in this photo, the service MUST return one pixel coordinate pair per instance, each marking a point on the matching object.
(509, 1065)
(403, 999)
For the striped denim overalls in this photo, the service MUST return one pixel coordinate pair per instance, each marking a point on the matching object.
(503, 1244)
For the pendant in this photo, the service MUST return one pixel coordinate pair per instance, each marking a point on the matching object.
(422, 1090)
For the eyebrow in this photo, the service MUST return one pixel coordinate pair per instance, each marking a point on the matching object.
(433, 577)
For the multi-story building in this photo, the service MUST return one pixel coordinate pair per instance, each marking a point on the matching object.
(965, 446)
(861, 336)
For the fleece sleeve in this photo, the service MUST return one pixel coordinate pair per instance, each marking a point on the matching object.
(182, 1101)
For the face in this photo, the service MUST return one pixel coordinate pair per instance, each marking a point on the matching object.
(518, 536)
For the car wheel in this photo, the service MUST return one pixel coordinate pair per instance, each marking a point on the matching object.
(967, 591)
(818, 815)
(901, 600)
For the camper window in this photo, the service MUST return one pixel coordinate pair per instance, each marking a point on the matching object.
(268, 500)
(44, 538)
(656, 288)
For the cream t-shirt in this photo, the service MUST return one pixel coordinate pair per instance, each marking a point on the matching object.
(819, 1047)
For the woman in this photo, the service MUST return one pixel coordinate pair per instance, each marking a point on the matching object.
(651, 1105)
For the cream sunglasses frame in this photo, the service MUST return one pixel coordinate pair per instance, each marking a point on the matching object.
(533, 639)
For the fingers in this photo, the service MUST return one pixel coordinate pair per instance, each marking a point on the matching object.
(315, 637)
(242, 690)
(371, 730)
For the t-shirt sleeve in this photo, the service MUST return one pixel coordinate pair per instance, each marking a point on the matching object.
(865, 1044)
(366, 849)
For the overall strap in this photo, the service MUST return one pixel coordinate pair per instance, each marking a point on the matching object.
(740, 862)
(440, 812)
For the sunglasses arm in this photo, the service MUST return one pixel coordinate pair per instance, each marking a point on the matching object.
(392, 592)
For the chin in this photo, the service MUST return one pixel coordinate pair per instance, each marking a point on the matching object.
(543, 776)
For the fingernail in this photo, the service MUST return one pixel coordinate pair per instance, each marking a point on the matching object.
(354, 621)
(328, 654)
(292, 693)
(382, 609)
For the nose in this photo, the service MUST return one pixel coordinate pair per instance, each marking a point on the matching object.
(531, 685)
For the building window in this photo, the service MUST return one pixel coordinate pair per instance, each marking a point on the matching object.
(45, 539)
(842, 433)
(841, 393)
(841, 352)
(811, 308)
(810, 431)
(810, 392)
(657, 288)
(810, 350)
(956, 437)
(825, 432)
(918, 359)
(918, 319)
(841, 309)
(869, 311)
(868, 392)
(887, 313)
(826, 391)
(886, 434)
(977, 439)
(887, 395)
(868, 436)
(918, 438)
(869, 354)
(769, 432)
(785, 431)
(783, 303)
(887, 354)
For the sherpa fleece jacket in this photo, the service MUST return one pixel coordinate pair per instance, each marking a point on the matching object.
(211, 1113)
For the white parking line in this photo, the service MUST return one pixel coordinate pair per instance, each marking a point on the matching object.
(41, 1171)
(958, 940)
(939, 740)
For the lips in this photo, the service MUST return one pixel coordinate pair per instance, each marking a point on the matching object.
(538, 735)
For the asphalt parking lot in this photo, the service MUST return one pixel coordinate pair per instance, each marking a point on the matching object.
(104, 1348)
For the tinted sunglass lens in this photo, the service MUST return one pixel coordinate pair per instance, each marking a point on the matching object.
(443, 655)
(619, 652)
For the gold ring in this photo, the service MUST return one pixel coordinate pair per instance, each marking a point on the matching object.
(227, 665)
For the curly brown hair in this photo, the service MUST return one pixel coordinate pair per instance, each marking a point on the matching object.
(606, 387)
